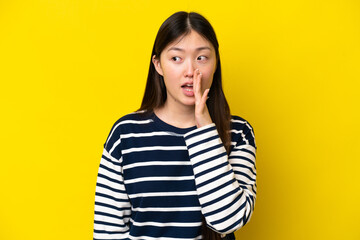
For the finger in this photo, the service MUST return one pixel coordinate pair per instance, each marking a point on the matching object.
(195, 82)
(204, 97)
(198, 76)
(196, 90)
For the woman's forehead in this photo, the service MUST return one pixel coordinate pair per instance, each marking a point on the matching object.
(190, 41)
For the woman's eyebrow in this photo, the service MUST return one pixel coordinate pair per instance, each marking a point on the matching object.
(182, 50)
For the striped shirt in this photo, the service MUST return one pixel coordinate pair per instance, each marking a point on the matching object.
(156, 181)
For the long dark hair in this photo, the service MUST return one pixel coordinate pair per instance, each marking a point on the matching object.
(177, 25)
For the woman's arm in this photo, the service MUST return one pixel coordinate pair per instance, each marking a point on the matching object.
(112, 207)
(226, 185)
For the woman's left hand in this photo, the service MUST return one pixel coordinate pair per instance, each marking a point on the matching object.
(202, 116)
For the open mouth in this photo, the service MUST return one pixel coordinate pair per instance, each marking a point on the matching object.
(187, 87)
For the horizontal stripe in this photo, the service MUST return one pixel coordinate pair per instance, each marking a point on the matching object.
(98, 213)
(116, 172)
(207, 160)
(205, 146)
(166, 209)
(100, 204)
(156, 148)
(156, 163)
(204, 142)
(101, 224)
(215, 178)
(218, 192)
(207, 151)
(151, 134)
(100, 175)
(147, 179)
(163, 194)
(242, 166)
(210, 169)
(168, 224)
(162, 238)
(127, 122)
(213, 201)
(105, 158)
(111, 197)
(110, 188)
(199, 131)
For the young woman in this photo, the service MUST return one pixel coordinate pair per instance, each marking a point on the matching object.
(181, 167)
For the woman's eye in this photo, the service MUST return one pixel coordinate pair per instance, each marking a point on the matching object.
(176, 59)
(201, 58)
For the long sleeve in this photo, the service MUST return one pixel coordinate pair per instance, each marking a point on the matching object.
(112, 207)
(226, 185)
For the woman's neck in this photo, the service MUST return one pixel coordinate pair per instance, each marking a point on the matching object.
(179, 116)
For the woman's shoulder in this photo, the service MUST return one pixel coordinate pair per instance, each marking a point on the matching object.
(126, 123)
(133, 117)
(239, 122)
(242, 131)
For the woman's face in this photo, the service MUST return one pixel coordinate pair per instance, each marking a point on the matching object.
(177, 64)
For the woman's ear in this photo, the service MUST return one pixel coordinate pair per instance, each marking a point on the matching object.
(157, 65)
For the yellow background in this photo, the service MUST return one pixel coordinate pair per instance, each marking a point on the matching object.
(70, 68)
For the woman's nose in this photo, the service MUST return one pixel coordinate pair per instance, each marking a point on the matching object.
(190, 69)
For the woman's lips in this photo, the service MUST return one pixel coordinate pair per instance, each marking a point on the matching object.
(188, 89)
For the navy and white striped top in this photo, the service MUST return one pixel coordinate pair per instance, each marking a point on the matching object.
(155, 181)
